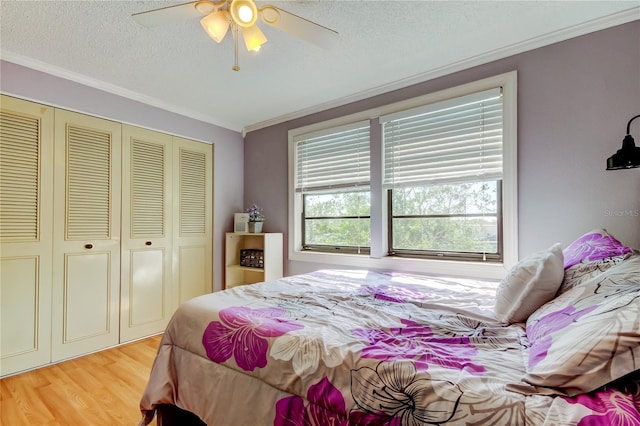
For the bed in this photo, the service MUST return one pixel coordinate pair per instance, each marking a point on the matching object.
(556, 342)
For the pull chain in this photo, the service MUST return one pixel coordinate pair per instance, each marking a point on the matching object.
(235, 67)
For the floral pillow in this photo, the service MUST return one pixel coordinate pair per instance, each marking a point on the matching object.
(531, 283)
(592, 246)
(584, 271)
(589, 335)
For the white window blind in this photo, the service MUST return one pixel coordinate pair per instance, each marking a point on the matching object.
(333, 159)
(457, 140)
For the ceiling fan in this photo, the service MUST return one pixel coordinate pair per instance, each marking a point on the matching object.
(241, 16)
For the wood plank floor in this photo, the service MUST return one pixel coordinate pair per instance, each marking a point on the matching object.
(100, 389)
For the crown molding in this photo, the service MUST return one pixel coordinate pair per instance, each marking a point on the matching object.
(110, 88)
(613, 20)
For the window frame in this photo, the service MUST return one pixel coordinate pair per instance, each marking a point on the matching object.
(440, 254)
(378, 259)
(330, 248)
(310, 152)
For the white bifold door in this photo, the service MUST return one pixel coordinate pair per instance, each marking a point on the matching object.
(166, 228)
(193, 222)
(26, 215)
(86, 264)
(105, 229)
(146, 303)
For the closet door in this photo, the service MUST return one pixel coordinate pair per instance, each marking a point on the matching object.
(192, 231)
(86, 264)
(145, 305)
(26, 203)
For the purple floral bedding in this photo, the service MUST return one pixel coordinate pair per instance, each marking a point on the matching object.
(362, 348)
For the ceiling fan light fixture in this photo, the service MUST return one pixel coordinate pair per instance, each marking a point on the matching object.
(243, 12)
(269, 14)
(205, 7)
(216, 24)
(253, 38)
(217, 16)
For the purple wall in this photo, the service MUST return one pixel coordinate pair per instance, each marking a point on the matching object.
(47, 89)
(574, 101)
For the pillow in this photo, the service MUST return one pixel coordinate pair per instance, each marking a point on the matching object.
(584, 271)
(531, 283)
(592, 246)
(588, 336)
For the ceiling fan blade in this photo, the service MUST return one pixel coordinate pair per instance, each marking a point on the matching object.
(167, 15)
(298, 26)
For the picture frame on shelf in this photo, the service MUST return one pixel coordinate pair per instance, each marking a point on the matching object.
(241, 222)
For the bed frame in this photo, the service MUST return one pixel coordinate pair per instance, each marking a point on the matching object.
(170, 415)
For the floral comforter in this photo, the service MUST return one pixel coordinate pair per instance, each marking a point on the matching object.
(359, 348)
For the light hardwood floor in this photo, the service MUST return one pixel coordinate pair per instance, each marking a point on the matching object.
(100, 389)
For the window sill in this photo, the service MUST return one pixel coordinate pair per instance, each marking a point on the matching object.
(477, 270)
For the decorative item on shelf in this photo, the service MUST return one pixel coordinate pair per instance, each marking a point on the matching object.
(256, 219)
(252, 258)
(241, 222)
(627, 157)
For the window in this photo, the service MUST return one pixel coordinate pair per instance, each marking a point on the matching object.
(443, 172)
(427, 185)
(456, 221)
(332, 182)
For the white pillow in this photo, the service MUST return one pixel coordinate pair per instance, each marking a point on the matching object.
(531, 283)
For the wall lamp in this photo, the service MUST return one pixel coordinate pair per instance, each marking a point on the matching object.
(627, 157)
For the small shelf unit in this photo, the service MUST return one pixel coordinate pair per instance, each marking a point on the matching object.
(271, 245)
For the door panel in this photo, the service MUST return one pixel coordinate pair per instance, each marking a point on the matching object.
(26, 202)
(86, 268)
(147, 289)
(193, 206)
(145, 305)
(19, 305)
(86, 301)
(194, 264)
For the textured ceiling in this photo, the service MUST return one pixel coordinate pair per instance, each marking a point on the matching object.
(382, 45)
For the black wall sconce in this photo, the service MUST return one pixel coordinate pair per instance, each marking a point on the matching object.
(627, 157)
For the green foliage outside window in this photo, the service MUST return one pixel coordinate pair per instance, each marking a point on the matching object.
(443, 218)
(449, 218)
(338, 219)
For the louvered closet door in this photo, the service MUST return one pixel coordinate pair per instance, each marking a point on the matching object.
(86, 264)
(145, 303)
(193, 206)
(26, 205)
